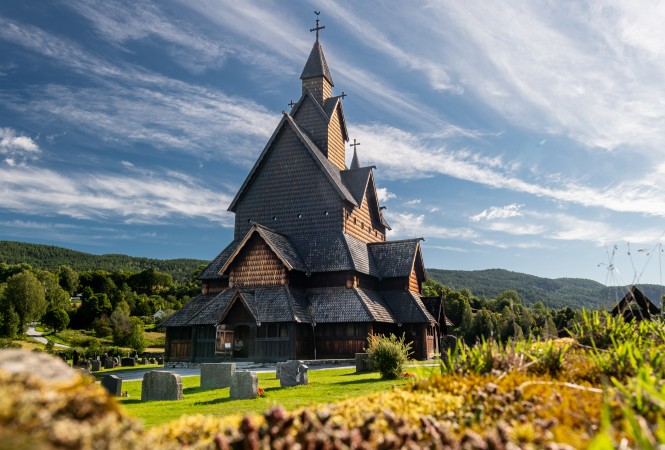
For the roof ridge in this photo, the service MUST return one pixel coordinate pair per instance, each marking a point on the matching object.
(418, 239)
(291, 302)
(323, 162)
(362, 300)
(319, 108)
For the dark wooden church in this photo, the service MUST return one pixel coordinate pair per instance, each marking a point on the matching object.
(309, 273)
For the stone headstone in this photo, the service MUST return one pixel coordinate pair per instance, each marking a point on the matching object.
(217, 375)
(36, 364)
(448, 342)
(159, 385)
(109, 364)
(84, 364)
(75, 358)
(293, 373)
(152, 361)
(362, 363)
(278, 370)
(113, 384)
(144, 361)
(160, 361)
(128, 362)
(244, 385)
(96, 365)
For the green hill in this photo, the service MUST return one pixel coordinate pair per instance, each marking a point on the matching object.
(555, 293)
(50, 257)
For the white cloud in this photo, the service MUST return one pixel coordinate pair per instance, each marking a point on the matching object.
(102, 196)
(496, 212)
(384, 195)
(415, 201)
(16, 148)
(408, 225)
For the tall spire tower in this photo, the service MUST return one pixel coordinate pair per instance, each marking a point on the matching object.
(316, 76)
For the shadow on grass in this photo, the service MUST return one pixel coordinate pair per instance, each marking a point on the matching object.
(365, 381)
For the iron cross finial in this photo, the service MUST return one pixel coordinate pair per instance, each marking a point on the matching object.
(343, 94)
(317, 28)
(355, 144)
(291, 104)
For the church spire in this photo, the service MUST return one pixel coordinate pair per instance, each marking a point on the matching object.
(355, 164)
(316, 76)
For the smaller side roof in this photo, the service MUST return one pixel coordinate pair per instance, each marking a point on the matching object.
(395, 258)
(278, 243)
(376, 305)
(181, 317)
(636, 295)
(407, 307)
(212, 272)
(337, 305)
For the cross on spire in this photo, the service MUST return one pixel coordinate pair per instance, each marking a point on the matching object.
(355, 163)
(317, 27)
(291, 104)
(343, 94)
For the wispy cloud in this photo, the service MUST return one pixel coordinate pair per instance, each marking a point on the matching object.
(116, 198)
(384, 194)
(409, 225)
(399, 154)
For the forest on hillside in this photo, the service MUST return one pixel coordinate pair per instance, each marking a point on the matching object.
(49, 257)
(554, 293)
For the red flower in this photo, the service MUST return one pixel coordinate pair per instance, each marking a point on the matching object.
(408, 375)
(262, 393)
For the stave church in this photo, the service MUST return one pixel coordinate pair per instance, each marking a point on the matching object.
(309, 273)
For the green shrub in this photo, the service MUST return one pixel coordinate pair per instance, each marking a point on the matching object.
(8, 343)
(388, 354)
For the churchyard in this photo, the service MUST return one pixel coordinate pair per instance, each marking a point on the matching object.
(325, 386)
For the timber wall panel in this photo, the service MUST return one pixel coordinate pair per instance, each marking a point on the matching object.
(358, 223)
(336, 149)
(414, 286)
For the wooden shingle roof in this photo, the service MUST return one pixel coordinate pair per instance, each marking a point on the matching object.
(395, 258)
(212, 271)
(316, 65)
(331, 172)
(182, 316)
(407, 307)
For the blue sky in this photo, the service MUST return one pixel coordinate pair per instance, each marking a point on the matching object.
(525, 135)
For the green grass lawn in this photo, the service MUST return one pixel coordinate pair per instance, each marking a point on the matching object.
(325, 386)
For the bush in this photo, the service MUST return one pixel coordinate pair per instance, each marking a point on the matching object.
(388, 354)
(8, 343)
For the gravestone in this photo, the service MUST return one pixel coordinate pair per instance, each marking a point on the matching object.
(160, 361)
(128, 362)
(84, 364)
(362, 363)
(448, 342)
(278, 370)
(161, 386)
(112, 384)
(144, 361)
(217, 375)
(96, 365)
(244, 385)
(293, 373)
(108, 364)
(152, 361)
(75, 358)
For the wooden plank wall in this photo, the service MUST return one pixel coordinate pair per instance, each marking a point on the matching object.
(358, 223)
(414, 285)
(257, 265)
(335, 146)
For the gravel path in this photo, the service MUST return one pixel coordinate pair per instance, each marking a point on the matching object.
(38, 336)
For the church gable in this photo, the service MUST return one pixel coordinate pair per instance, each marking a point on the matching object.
(274, 195)
(256, 265)
(311, 118)
(365, 221)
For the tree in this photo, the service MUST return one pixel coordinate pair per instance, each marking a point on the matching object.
(68, 279)
(136, 339)
(121, 324)
(25, 294)
(484, 325)
(56, 319)
(11, 323)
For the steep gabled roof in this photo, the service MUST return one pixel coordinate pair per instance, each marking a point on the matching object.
(396, 258)
(182, 316)
(331, 172)
(646, 306)
(316, 65)
(329, 106)
(212, 311)
(212, 271)
(407, 307)
(358, 182)
(278, 243)
(361, 257)
(376, 305)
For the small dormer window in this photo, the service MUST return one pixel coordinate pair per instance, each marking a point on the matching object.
(274, 218)
(299, 216)
(326, 213)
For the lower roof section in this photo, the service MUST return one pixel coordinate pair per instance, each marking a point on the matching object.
(280, 303)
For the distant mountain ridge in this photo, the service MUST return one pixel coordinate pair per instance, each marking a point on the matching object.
(50, 257)
(555, 293)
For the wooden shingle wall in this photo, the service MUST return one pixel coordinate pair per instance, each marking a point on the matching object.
(362, 223)
(319, 87)
(336, 150)
(256, 265)
(414, 286)
(290, 194)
